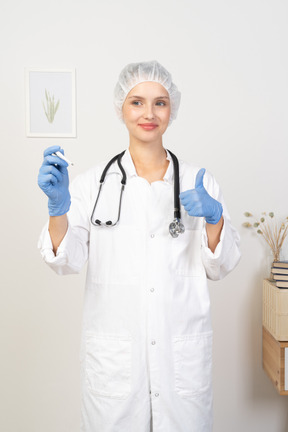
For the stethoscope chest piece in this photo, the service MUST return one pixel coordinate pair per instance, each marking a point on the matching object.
(176, 227)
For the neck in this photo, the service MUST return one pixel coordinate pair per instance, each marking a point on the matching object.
(148, 155)
(150, 161)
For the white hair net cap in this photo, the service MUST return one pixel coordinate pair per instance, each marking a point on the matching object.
(136, 73)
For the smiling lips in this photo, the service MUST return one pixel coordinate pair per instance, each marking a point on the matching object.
(148, 126)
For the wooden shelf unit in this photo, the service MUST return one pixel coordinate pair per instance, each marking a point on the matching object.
(274, 360)
(275, 335)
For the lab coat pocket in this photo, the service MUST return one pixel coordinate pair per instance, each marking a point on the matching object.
(192, 363)
(117, 254)
(186, 254)
(108, 365)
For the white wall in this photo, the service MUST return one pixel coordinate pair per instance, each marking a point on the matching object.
(229, 59)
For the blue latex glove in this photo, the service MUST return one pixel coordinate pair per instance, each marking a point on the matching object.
(197, 202)
(53, 179)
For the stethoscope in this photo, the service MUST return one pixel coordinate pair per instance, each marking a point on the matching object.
(176, 227)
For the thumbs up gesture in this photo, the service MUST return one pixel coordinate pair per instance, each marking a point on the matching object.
(197, 202)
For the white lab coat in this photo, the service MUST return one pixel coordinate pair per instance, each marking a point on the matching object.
(146, 348)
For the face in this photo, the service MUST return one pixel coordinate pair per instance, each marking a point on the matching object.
(148, 103)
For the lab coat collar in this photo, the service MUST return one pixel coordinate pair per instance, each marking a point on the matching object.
(130, 169)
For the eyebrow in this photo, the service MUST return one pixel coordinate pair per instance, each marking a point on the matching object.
(141, 97)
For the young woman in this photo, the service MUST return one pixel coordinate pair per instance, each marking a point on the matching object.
(146, 350)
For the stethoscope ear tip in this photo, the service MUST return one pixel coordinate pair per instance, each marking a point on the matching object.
(98, 222)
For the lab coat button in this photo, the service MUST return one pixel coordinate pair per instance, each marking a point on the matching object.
(152, 236)
(153, 342)
(151, 289)
(156, 394)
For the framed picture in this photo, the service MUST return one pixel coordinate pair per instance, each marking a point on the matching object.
(50, 103)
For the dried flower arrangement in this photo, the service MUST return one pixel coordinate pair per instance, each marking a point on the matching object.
(273, 234)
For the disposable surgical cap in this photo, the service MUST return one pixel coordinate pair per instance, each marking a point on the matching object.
(136, 73)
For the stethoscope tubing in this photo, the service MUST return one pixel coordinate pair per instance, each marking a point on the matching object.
(118, 158)
(177, 209)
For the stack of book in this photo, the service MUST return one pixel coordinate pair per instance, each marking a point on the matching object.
(280, 273)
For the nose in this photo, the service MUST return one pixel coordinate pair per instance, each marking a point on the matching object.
(149, 111)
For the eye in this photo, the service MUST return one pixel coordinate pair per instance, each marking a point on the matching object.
(161, 102)
(136, 103)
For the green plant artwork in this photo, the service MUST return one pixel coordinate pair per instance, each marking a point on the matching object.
(50, 108)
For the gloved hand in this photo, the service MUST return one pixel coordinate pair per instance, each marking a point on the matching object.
(197, 202)
(53, 179)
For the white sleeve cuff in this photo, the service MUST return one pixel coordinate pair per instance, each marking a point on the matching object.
(219, 247)
(46, 247)
(226, 255)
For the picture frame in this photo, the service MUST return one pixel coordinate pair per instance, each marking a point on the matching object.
(51, 103)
